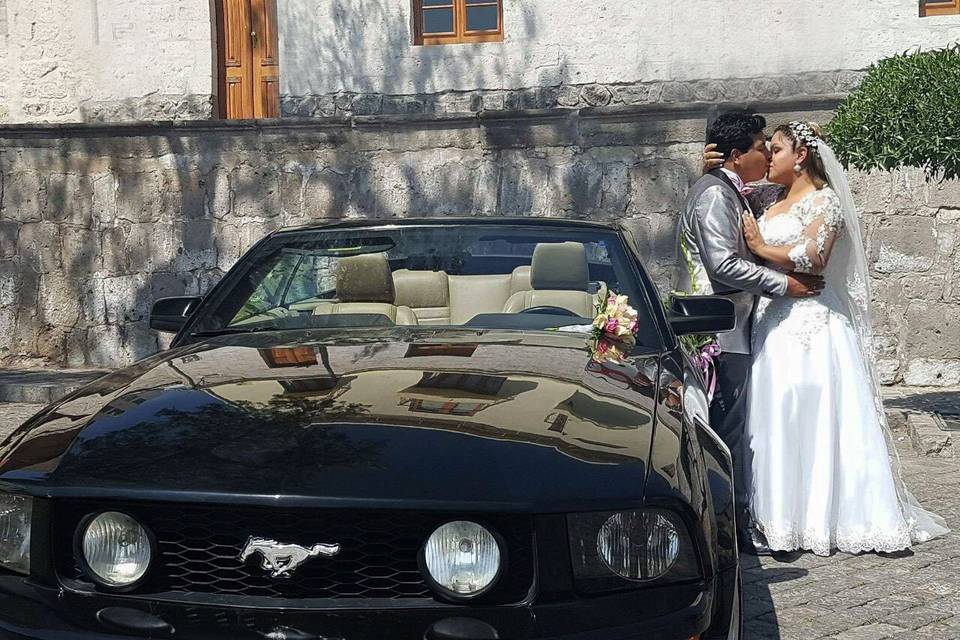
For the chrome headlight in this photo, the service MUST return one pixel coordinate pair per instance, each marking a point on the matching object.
(616, 549)
(638, 545)
(463, 559)
(15, 515)
(115, 549)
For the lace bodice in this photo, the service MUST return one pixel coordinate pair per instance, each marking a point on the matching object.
(810, 227)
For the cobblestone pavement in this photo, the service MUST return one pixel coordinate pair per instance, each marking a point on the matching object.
(843, 597)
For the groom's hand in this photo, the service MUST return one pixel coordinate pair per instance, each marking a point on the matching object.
(804, 285)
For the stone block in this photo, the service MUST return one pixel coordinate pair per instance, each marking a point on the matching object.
(59, 303)
(70, 199)
(903, 244)
(909, 189)
(92, 302)
(596, 95)
(633, 94)
(944, 194)
(127, 298)
(9, 231)
(441, 184)
(568, 96)
(887, 370)
(256, 191)
(923, 372)
(38, 243)
(576, 189)
(191, 247)
(508, 133)
(24, 196)
(657, 186)
(491, 102)
(165, 285)
(928, 288)
(523, 188)
(367, 104)
(551, 76)
(927, 438)
(378, 137)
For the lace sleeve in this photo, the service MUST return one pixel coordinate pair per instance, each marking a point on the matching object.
(823, 220)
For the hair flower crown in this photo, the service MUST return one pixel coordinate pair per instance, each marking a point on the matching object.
(804, 134)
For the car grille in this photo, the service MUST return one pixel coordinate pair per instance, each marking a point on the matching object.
(199, 549)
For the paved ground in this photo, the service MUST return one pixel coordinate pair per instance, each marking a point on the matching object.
(843, 597)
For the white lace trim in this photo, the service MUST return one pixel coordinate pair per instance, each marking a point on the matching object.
(795, 538)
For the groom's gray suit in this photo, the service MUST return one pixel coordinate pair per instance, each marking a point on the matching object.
(715, 260)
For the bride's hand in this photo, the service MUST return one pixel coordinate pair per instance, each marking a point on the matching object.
(712, 159)
(751, 232)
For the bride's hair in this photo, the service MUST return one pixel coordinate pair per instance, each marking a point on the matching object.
(814, 164)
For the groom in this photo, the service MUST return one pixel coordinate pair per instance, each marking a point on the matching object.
(715, 260)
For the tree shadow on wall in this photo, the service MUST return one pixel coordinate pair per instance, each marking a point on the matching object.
(131, 214)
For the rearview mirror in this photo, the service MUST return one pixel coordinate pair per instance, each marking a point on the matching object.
(169, 315)
(701, 314)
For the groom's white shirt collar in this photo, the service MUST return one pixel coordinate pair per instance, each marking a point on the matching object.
(734, 178)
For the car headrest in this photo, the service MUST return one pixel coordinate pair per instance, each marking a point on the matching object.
(421, 289)
(559, 266)
(364, 278)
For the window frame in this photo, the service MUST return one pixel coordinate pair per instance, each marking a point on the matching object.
(939, 8)
(459, 35)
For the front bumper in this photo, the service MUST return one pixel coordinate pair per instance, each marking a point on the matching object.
(666, 613)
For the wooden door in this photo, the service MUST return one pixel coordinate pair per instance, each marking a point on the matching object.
(248, 59)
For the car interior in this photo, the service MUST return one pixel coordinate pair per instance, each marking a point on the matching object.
(556, 280)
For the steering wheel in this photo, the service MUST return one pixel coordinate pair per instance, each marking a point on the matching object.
(551, 310)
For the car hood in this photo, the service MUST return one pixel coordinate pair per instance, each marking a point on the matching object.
(496, 420)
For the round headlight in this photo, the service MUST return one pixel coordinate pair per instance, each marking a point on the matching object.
(116, 549)
(463, 558)
(638, 545)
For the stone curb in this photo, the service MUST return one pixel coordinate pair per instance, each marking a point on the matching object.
(42, 386)
(927, 436)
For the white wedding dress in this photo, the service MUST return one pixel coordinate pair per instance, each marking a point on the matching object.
(824, 477)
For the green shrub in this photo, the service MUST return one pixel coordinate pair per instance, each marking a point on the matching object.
(906, 113)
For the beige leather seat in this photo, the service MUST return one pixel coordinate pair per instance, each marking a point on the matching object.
(365, 285)
(559, 277)
(437, 298)
(427, 293)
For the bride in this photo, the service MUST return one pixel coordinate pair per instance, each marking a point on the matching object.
(822, 471)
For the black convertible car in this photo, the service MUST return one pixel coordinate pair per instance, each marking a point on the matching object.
(375, 430)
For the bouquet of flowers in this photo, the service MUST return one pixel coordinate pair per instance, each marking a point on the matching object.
(614, 329)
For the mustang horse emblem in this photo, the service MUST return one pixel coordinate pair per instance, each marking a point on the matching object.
(281, 559)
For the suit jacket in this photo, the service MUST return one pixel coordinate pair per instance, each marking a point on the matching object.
(714, 258)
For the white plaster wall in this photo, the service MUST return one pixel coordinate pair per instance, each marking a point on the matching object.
(364, 45)
(63, 60)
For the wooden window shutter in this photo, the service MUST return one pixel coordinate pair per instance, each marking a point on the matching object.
(248, 57)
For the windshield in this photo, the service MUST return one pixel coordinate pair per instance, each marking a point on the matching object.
(477, 276)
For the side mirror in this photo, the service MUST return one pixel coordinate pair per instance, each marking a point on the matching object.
(169, 315)
(701, 314)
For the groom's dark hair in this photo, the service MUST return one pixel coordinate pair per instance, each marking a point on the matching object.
(735, 130)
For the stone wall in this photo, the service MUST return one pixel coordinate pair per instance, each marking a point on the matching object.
(105, 60)
(98, 221)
